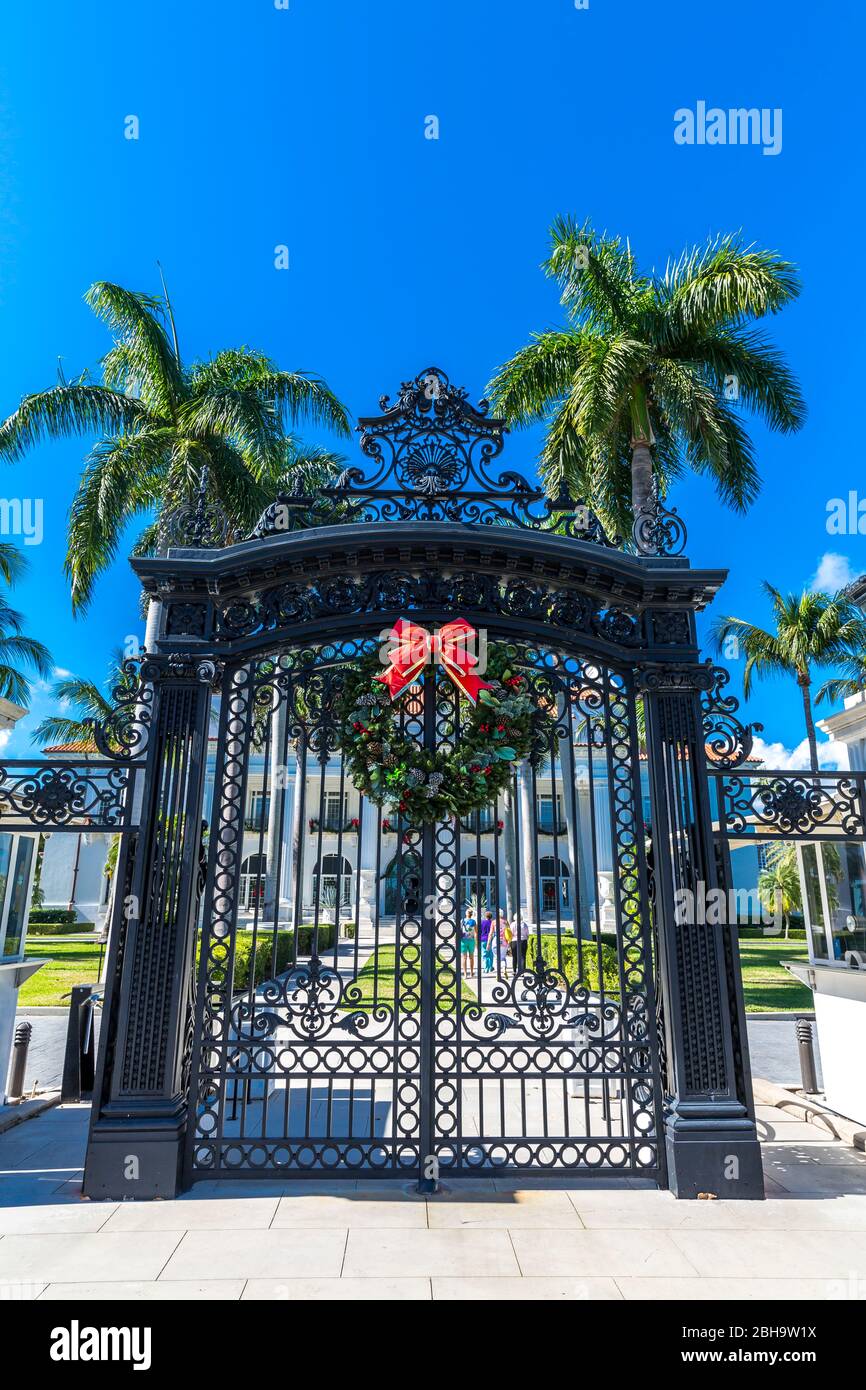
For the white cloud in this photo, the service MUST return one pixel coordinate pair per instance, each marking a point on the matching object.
(5, 735)
(834, 572)
(781, 759)
(60, 673)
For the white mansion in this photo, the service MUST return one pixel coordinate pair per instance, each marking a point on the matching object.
(310, 846)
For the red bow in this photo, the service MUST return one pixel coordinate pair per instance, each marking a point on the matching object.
(413, 647)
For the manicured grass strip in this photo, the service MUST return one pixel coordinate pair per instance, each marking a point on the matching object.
(382, 980)
(68, 963)
(767, 986)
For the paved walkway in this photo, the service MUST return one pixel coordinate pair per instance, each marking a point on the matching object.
(564, 1239)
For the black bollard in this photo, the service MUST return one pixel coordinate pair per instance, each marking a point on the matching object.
(805, 1045)
(20, 1045)
(77, 1077)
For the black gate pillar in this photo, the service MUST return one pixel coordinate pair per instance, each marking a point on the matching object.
(710, 1135)
(137, 1130)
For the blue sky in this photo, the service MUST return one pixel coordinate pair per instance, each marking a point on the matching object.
(305, 126)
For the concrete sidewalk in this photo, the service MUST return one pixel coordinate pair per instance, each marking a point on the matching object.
(541, 1239)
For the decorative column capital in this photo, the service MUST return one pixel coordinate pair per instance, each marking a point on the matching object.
(674, 678)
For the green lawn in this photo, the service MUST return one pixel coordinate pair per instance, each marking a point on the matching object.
(381, 980)
(768, 987)
(68, 963)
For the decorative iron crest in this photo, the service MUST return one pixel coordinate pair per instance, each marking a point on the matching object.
(432, 453)
(787, 804)
(57, 795)
(200, 524)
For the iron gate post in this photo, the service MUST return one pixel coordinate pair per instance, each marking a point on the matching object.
(427, 1181)
(139, 1115)
(710, 1134)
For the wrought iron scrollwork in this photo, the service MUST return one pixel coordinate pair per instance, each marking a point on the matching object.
(728, 741)
(56, 795)
(431, 454)
(658, 530)
(201, 524)
(801, 805)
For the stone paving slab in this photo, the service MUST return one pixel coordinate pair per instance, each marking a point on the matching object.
(577, 1253)
(394, 1290)
(86, 1256)
(770, 1254)
(719, 1290)
(545, 1289)
(253, 1254)
(148, 1291)
(480, 1253)
(505, 1210)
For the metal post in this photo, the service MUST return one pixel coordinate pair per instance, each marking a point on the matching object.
(77, 1078)
(20, 1046)
(710, 1135)
(427, 920)
(806, 1050)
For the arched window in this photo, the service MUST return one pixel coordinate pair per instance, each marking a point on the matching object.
(336, 881)
(553, 875)
(254, 871)
(478, 880)
(410, 863)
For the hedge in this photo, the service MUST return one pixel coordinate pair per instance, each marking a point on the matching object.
(564, 955)
(51, 914)
(58, 928)
(267, 963)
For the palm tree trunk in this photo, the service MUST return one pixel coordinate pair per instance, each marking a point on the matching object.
(641, 475)
(641, 456)
(804, 682)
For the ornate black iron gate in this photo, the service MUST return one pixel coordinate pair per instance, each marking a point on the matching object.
(290, 987)
(356, 1035)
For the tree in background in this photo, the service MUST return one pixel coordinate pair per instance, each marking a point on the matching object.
(164, 425)
(651, 373)
(19, 655)
(812, 629)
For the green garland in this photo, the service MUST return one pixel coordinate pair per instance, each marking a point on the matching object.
(504, 728)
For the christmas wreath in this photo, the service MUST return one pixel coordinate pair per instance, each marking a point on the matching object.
(500, 725)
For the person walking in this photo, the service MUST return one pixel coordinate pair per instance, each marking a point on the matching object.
(485, 942)
(468, 933)
(500, 935)
(519, 941)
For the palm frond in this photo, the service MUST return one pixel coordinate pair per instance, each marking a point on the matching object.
(525, 388)
(67, 410)
(722, 283)
(145, 362)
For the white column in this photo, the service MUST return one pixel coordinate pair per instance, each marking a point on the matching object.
(276, 802)
(295, 857)
(368, 885)
(527, 848)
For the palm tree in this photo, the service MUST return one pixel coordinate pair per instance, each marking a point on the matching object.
(16, 650)
(645, 378)
(88, 702)
(811, 629)
(164, 426)
(779, 884)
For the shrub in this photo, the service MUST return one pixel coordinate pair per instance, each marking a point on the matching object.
(52, 914)
(271, 961)
(566, 953)
(58, 928)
